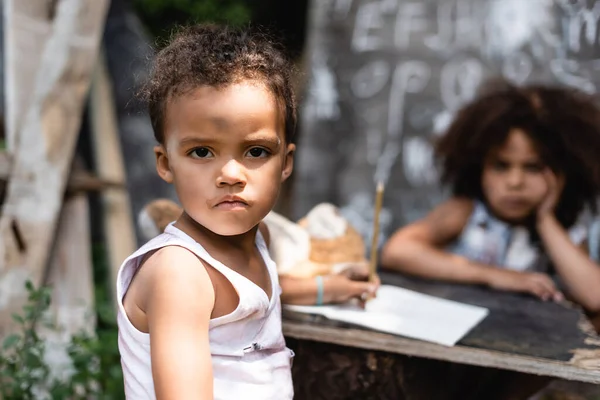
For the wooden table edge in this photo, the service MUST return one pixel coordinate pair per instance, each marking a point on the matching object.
(370, 340)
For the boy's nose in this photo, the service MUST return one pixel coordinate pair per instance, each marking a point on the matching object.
(232, 173)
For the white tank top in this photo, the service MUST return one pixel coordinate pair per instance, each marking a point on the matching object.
(248, 352)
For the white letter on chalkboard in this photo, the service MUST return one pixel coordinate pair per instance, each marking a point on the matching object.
(459, 82)
(342, 8)
(368, 18)
(388, 6)
(323, 95)
(410, 18)
(579, 18)
(517, 67)
(417, 158)
(409, 77)
(445, 34)
(370, 79)
(565, 72)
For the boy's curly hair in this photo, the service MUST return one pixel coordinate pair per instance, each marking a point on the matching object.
(563, 123)
(218, 56)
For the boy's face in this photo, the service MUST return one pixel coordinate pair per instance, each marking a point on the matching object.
(513, 179)
(225, 152)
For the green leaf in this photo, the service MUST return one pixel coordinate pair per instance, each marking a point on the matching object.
(18, 318)
(10, 341)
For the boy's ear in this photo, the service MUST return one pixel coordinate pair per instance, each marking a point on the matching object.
(162, 164)
(288, 162)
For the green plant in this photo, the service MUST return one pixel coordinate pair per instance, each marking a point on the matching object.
(111, 381)
(25, 374)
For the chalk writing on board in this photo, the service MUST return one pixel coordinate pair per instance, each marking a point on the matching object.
(408, 77)
(368, 20)
(418, 163)
(342, 8)
(411, 18)
(569, 73)
(323, 93)
(517, 67)
(459, 82)
(370, 79)
(582, 22)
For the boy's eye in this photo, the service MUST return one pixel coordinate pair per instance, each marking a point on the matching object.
(200, 152)
(258, 152)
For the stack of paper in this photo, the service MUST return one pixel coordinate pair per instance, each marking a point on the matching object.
(407, 313)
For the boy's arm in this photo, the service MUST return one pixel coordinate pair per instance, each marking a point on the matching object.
(179, 302)
(580, 274)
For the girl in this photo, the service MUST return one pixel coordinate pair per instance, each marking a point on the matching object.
(199, 312)
(523, 164)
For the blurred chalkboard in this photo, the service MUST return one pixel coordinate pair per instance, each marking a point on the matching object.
(386, 76)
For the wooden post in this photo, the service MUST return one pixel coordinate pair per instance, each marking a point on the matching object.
(26, 32)
(70, 275)
(44, 141)
(119, 231)
(70, 271)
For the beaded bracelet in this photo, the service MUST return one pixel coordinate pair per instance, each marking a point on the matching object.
(319, 279)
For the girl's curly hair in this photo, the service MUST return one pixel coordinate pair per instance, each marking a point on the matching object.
(563, 123)
(218, 55)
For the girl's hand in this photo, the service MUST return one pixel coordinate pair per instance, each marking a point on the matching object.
(555, 184)
(350, 284)
(534, 283)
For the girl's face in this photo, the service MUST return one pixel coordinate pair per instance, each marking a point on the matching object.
(226, 154)
(513, 179)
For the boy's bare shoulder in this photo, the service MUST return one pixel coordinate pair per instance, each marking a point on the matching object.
(176, 273)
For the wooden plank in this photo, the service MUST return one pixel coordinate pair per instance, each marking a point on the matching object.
(119, 227)
(5, 165)
(520, 333)
(45, 141)
(79, 180)
(27, 27)
(459, 354)
(517, 324)
(70, 272)
(332, 372)
(70, 275)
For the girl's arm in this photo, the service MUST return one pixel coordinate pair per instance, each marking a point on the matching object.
(580, 274)
(179, 302)
(416, 249)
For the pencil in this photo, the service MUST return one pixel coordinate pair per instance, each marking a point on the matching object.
(375, 242)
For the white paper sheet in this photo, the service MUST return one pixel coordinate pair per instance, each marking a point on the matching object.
(407, 313)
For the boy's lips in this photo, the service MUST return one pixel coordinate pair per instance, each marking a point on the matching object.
(231, 202)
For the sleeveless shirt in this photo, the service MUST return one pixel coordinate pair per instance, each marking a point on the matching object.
(248, 352)
(488, 240)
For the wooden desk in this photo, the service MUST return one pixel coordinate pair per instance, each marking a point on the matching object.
(521, 345)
